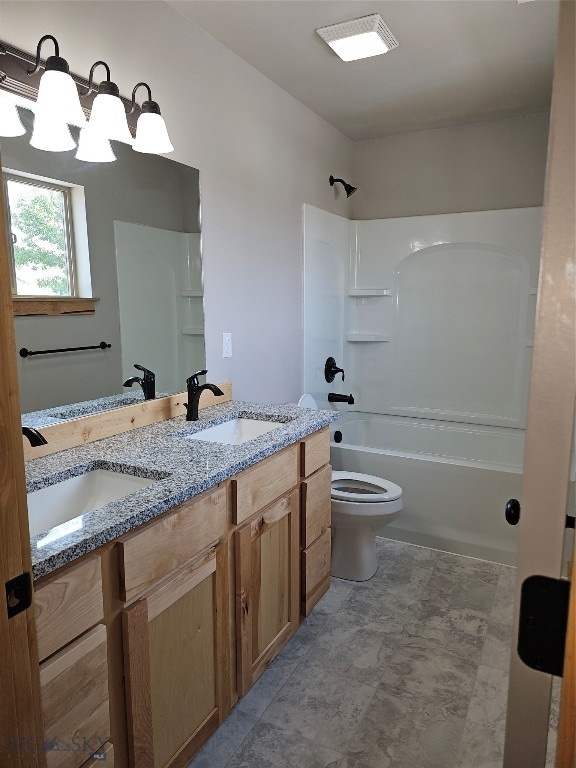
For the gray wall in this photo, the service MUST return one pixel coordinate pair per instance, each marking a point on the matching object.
(260, 152)
(137, 188)
(474, 167)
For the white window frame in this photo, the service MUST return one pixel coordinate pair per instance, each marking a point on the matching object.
(66, 191)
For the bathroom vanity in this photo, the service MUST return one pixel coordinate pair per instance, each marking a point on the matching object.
(165, 607)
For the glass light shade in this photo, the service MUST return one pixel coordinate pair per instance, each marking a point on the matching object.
(359, 46)
(51, 134)
(108, 117)
(10, 123)
(93, 147)
(152, 135)
(58, 95)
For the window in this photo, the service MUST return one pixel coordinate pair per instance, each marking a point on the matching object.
(40, 232)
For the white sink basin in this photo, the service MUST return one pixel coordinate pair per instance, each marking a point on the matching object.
(235, 431)
(59, 503)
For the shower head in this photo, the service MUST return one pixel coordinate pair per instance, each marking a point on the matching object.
(348, 187)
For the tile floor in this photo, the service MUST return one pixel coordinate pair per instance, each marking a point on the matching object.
(407, 670)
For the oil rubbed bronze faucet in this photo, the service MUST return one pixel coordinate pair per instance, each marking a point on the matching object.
(147, 382)
(35, 437)
(195, 389)
(331, 369)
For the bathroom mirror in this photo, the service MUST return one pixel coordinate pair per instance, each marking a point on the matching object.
(141, 228)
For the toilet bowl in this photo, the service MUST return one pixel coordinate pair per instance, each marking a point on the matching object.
(361, 505)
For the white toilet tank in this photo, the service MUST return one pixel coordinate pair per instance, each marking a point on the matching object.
(307, 401)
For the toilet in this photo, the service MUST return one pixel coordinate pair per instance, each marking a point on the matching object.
(361, 506)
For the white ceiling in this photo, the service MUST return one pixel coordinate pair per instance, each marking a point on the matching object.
(458, 60)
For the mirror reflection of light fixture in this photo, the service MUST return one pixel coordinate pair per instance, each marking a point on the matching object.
(57, 94)
(108, 116)
(10, 123)
(349, 189)
(51, 134)
(151, 132)
(93, 147)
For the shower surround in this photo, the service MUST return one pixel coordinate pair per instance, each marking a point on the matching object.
(431, 317)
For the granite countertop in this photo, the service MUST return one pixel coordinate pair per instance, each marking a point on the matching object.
(180, 467)
(61, 413)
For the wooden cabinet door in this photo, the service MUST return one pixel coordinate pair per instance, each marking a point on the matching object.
(267, 586)
(177, 664)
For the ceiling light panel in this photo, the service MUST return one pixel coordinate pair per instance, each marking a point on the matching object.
(359, 38)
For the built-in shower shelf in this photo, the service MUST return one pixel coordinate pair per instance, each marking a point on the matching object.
(191, 294)
(192, 331)
(367, 337)
(367, 292)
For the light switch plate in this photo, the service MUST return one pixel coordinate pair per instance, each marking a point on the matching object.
(226, 345)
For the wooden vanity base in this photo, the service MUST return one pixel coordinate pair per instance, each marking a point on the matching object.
(172, 622)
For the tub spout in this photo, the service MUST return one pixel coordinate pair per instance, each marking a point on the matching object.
(333, 397)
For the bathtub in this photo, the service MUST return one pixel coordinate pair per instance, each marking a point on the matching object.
(456, 478)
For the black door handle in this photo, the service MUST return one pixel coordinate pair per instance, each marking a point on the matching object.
(512, 514)
(512, 511)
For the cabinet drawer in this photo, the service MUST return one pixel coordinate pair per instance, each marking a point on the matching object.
(315, 493)
(74, 691)
(314, 452)
(258, 486)
(104, 758)
(149, 555)
(315, 572)
(68, 605)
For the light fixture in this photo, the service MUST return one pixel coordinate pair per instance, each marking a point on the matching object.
(57, 106)
(10, 123)
(347, 187)
(57, 94)
(359, 38)
(108, 116)
(93, 147)
(151, 132)
(51, 134)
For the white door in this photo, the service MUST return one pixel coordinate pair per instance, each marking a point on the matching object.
(549, 434)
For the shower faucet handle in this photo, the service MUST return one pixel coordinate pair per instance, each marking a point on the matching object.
(331, 369)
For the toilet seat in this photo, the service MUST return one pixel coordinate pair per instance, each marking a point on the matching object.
(365, 489)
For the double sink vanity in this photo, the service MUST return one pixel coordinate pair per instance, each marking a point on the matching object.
(172, 563)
